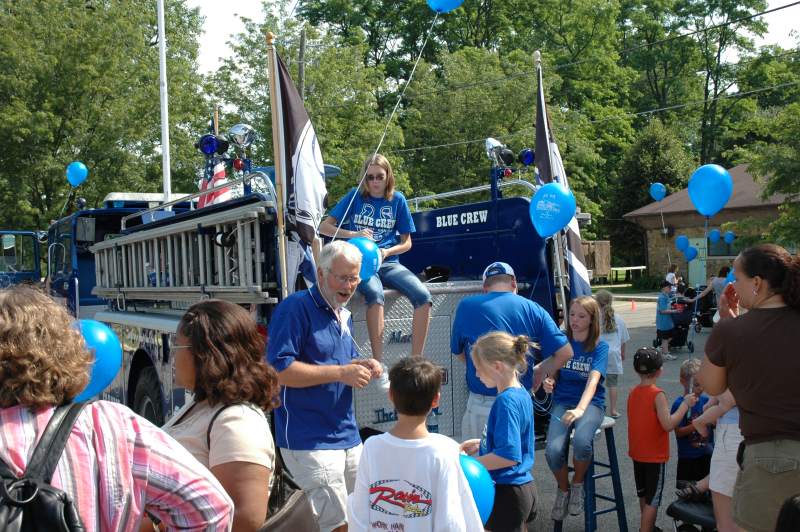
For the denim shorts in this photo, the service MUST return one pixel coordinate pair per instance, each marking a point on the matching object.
(394, 275)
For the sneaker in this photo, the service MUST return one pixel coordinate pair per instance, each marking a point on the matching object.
(575, 506)
(670, 357)
(559, 512)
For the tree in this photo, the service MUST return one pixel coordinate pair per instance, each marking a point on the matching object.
(657, 155)
(67, 93)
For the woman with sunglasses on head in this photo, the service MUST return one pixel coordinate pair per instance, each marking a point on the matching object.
(219, 357)
(755, 355)
(377, 211)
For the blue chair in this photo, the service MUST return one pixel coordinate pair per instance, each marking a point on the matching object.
(590, 510)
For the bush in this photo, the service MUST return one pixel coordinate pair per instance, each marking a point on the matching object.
(648, 282)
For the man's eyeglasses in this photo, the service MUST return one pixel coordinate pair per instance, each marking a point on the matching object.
(373, 177)
(176, 347)
(348, 279)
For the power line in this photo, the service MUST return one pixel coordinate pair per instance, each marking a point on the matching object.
(619, 117)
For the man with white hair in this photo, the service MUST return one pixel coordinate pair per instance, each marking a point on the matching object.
(313, 351)
(499, 308)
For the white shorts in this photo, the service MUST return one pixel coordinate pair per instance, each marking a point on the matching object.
(473, 423)
(723, 462)
(327, 476)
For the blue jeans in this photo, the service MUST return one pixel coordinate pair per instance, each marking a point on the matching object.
(394, 275)
(557, 449)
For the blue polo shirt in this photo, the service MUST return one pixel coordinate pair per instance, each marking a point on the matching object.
(388, 219)
(507, 312)
(304, 328)
(509, 433)
(573, 376)
(663, 321)
(693, 445)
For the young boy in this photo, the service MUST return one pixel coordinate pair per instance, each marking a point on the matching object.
(649, 424)
(409, 479)
(694, 450)
(665, 328)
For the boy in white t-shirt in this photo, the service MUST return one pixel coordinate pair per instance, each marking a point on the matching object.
(409, 479)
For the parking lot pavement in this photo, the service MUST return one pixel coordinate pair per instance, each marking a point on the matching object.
(641, 325)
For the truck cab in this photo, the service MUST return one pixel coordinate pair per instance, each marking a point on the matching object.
(21, 259)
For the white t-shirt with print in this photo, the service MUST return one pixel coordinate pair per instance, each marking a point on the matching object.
(239, 434)
(615, 340)
(413, 486)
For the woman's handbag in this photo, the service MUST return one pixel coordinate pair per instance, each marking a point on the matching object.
(290, 508)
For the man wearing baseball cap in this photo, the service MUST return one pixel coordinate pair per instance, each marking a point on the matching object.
(499, 308)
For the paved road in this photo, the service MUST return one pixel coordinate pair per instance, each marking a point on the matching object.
(641, 324)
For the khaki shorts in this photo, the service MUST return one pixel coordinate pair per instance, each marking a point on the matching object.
(770, 474)
(612, 379)
(327, 476)
(476, 415)
(723, 462)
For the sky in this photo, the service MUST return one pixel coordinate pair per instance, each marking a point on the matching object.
(221, 22)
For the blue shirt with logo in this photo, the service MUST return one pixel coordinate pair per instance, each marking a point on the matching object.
(509, 433)
(507, 312)
(388, 219)
(573, 376)
(663, 321)
(693, 445)
(304, 328)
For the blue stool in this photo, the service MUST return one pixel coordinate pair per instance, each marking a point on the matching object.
(590, 511)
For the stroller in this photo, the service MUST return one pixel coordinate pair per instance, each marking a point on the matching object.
(685, 320)
(706, 308)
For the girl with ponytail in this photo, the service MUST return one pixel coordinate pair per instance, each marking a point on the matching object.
(755, 355)
(506, 448)
(614, 332)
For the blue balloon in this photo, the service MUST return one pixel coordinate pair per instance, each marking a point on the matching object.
(658, 191)
(691, 253)
(481, 485)
(370, 256)
(714, 236)
(731, 277)
(105, 345)
(710, 188)
(682, 242)
(552, 208)
(729, 237)
(76, 173)
(444, 6)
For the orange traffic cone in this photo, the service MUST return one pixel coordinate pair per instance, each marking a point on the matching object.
(633, 305)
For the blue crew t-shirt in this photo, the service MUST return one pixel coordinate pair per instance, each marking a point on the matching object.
(663, 321)
(388, 219)
(502, 311)
(509, 433)
(573, 376)
(304, 328)
(693, 445)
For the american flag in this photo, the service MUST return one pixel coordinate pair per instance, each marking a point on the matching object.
(217, 177)
(551, 168)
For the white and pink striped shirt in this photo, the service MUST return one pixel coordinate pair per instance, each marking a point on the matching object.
(116, 465)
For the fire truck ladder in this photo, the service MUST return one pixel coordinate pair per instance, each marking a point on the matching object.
(219, 255)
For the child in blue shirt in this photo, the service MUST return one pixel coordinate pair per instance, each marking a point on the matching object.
(506, 448)
(665, 328)
(694, 450)
(578, 399)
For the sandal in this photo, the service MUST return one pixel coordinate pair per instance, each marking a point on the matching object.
(690, 493)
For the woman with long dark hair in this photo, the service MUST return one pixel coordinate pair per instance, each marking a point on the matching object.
(219, 357)
(755, 354)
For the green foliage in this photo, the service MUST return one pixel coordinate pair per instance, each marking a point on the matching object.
(647, 282)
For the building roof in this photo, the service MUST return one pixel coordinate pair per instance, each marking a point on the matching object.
(746, 194)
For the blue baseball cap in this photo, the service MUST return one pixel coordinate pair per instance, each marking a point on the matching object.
(498, 268)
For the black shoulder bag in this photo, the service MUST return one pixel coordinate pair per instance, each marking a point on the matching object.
(30, 503)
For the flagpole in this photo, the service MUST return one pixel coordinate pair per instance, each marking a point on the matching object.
(557, 238)
(277, 155)
(162, 69)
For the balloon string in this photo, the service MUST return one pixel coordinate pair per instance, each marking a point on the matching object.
(545, 406)
(388, 122)
(664, 233)
(60, 214)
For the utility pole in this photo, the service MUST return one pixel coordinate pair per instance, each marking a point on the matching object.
(301, 67)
